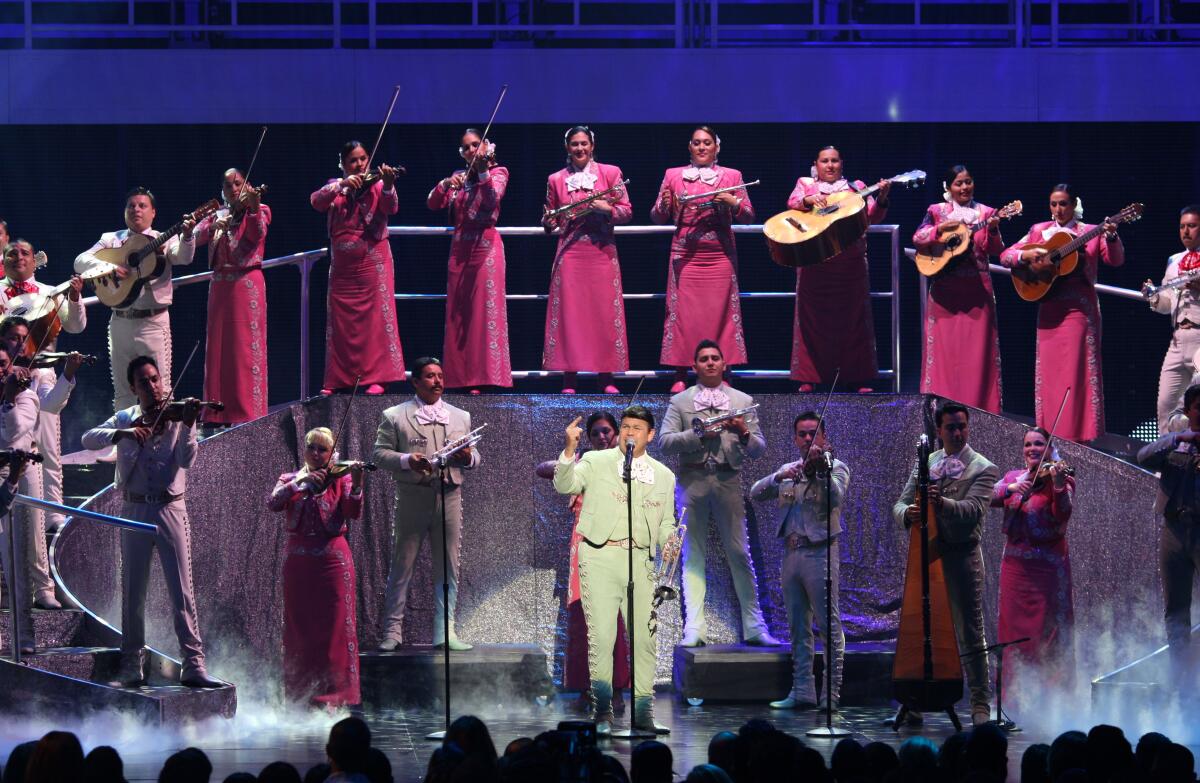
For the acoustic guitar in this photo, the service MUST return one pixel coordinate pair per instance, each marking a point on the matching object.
(1063, 254)
(926, 672)
(954, 241)
(140, 256)
(796, 238)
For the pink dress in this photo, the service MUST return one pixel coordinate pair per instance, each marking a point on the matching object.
(585, 318)
(833, 326)
(702, 287)
(320, 639)
(1035, 586)
(1068, 336)
(475, 351)
(961, 353)
(360, 335)
(235, 354)
(576, 676)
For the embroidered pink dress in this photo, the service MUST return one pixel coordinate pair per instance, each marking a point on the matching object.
(833, 326)
(235, 354)
(585, 317)
(320, 638)
(360, 335)
(1068, 336)
(702, 287)
(961, 353)
(1035, 586)
(475, 351)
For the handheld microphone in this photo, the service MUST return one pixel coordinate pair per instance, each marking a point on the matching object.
(629, 458)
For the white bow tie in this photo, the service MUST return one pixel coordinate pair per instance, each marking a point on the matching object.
(581, 180)
(948, 468)
(433, 414)
(708, 175)
(712, 398)
(642, 471)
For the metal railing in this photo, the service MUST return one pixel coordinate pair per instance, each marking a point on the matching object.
(892, 295)
(681, 23)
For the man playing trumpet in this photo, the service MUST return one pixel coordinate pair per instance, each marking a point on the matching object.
(709, 470)
(599, 476)
(409, 436)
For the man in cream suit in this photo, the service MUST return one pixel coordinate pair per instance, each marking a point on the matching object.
(961, 483)
(409, 434)
(604, 554)
(809, 538)
(709, 470)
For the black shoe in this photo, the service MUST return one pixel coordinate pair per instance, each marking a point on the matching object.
(200, 680)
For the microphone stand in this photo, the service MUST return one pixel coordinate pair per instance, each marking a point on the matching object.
(14, 606)
(1001, 722)
(630, 626)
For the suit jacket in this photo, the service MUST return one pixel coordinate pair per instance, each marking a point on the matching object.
(1178, 481)
(965, 499)
(809, 495)
(400, 434)
(604, 516)
(677, 437)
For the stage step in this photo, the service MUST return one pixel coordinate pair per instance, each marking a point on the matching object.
(414, 675)
(741, 673)
(60, 628)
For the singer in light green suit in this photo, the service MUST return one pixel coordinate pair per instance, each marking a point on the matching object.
(604, 554)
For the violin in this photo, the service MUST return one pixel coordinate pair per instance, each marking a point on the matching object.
(45, 359)
(374, 175)
(334, 471)
(173, 410)
(1044, 474)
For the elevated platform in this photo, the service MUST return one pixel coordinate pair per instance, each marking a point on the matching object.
(741, 674)
(416, 676)
(77, 655)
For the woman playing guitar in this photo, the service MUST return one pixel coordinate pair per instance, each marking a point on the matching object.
(833, 326)
(961, 350)
(1068, 326)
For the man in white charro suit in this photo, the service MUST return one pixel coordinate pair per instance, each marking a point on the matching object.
(409, 434)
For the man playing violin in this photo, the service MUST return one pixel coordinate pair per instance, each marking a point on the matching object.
(709, 471)
(409, 435)
(18, 417)
(52, 392)
(806, 514)
(1176, 455)
(144, 327)
(19, 267)
(156, 444)
(960, 489)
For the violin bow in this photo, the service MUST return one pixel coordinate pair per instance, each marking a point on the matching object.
(382, 128)
(345, 417)
(253, 159)
(488, 127)
(1045, 453)
(824, 408)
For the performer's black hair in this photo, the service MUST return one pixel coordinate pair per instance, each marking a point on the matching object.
(1190, 395)
(949, 408)
(142, 191)
(639, 412)
(10, 321)
(421, 363)
(597, 416)
(1190, 209)
(808, 416)
(138, 361)
(700, 346)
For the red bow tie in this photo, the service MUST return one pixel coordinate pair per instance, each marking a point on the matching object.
(1189, 261)
(25, 287)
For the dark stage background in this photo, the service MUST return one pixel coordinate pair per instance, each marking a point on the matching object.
(64, 186)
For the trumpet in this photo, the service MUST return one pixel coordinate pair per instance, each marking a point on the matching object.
(686, 199)
(700, 426)
(441, 458)
(1150, 291)
(668, 564)
(577, 208)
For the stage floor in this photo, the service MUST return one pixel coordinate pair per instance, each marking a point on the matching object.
(401, 736)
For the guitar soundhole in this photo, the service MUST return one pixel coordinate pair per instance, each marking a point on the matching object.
(953, 242)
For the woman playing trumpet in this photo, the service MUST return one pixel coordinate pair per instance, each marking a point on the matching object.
(361, 340)
(235, 356)
(585, 319)
(476, 334)
(320, 641)
(702, 287)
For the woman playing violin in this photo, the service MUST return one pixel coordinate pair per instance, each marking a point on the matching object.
(1068, 321)
(702, 287)
(833, 327)
(1035, 571)
(585, 319)
(476, 334)
(320, 640)
(361, 339)
(961, 350)
(235, 357)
